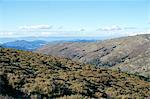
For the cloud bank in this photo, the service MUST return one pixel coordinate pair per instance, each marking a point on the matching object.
(110, 28)
(49, 31)
(36, 27)
(114, 28)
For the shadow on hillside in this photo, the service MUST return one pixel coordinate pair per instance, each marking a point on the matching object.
(8, 90)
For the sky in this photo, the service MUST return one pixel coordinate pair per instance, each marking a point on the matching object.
(93, 18)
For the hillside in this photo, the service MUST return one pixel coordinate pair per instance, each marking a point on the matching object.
(29, 75)
(131, 54)
(24, 45)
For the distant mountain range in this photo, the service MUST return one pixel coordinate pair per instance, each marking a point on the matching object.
(52, 39)
(130, 54)
(24, 45)
(33, 45)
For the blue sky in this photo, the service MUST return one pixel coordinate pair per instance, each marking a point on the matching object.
(20, 18)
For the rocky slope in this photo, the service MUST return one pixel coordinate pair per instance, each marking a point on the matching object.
(29, 75)
(131, 54)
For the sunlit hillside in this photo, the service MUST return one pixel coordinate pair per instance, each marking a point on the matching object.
(28, 75)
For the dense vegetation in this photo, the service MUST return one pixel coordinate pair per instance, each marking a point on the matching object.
(29, 75)
(129, 54)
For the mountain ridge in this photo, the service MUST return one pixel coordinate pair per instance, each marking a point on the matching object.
(112, 53)
(24, 45)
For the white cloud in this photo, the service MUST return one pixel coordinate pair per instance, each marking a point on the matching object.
(6, 34)
(110, 28)
(130, 28)
(82, 30)
(115, 28)
(35, 27)
(148, 31)
(104, 31)
(60, 27)
(50, 33)
(136, 33)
